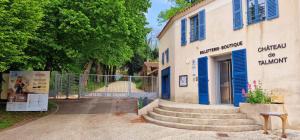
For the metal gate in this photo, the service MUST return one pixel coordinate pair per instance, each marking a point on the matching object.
(117, 86)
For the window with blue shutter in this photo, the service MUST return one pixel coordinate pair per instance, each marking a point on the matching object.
(194, 24)
(237, 14)
(272, 9)
(256, 11)
(239, 75)
(202, 25)
(163, 58)
(203, 80)
(183, 32)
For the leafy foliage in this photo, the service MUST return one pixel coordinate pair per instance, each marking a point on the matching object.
(19, 19)
(63, 35)
(178, 5)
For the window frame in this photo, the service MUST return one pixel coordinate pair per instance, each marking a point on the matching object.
(194, 30)
(257, 12)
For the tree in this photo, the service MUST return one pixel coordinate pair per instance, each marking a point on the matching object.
(19, 19)
(178, 5)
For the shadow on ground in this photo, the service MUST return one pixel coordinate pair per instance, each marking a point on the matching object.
(96, 105)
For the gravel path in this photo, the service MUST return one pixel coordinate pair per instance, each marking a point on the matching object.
(107, 119)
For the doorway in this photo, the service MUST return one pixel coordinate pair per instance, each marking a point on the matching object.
(226, 82)
(165, 84)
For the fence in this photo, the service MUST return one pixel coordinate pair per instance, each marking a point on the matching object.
(92, 85)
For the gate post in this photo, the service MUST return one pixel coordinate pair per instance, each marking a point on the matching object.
(129, 86)
(69, 87)
(106, 85)
(80, 86)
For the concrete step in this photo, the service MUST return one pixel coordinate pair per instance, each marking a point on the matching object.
(223, 128)
(200, 115)
(197, 121)
(202, 109)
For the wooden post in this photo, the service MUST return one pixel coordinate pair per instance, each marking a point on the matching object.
(283, 119)
(266, 118)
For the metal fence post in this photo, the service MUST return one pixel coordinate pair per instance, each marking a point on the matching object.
(80, 86)
(129, 86)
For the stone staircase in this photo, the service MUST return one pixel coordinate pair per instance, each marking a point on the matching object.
(203, 118)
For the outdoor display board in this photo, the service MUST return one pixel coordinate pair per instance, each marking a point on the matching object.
(28, 91)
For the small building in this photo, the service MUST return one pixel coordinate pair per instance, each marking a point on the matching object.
(210, 51)
(150, 69)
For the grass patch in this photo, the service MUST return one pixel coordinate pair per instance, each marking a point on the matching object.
(8, 119)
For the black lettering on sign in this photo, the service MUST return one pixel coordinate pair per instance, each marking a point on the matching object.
(273, 61)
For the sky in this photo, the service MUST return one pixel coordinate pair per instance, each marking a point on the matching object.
(153, 12)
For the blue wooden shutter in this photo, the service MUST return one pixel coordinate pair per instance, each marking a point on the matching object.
(202, 22)
(237, 14)
(272, 9)
(239, 75)
(203, 80)
(167, 55)
(163, 58)
(183, 32)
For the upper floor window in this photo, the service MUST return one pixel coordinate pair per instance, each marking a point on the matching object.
(260, 10)
(194, 22)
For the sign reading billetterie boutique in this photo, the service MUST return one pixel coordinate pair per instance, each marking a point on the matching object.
(28, 91)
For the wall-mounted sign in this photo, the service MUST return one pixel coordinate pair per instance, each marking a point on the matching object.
(272, 59)
(183, 81)
(28, 91)
(224, 47)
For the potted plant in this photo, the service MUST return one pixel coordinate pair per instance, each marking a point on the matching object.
(259, 101)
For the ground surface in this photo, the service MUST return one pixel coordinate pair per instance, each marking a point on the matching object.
(119, 86)
(106, 119)
(9, 119)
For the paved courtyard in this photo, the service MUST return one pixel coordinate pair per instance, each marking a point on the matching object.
(107, 119)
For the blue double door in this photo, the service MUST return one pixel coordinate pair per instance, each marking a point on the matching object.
(239, 77)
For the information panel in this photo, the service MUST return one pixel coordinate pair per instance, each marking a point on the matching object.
(28, 91)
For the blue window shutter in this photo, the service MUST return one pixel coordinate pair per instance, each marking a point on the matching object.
(239, 75)
(203, 80)
(237, 14)
(183, 32)
(202, 25)
(272, 9)
(167, 55)
(163, 58)
(256, 11)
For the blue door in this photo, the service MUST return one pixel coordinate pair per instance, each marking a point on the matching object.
(165, 83)
(203, 81)
(239, 75)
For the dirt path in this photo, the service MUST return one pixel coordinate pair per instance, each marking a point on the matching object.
(107, 119)
(120, 86)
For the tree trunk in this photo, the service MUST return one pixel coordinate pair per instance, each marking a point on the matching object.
(98, 72)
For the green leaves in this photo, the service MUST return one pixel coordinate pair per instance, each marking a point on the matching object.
(19, 19)
(63, 34)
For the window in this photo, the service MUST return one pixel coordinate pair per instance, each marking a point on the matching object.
(183, 32)
(194, 28)
(260, 10)
(256, 11)
(167, 55)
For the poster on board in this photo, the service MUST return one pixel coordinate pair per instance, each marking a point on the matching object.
(28, 91)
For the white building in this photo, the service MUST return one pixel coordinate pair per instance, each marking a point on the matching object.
(221, 45)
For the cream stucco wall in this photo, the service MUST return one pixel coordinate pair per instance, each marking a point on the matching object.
(219, 31)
